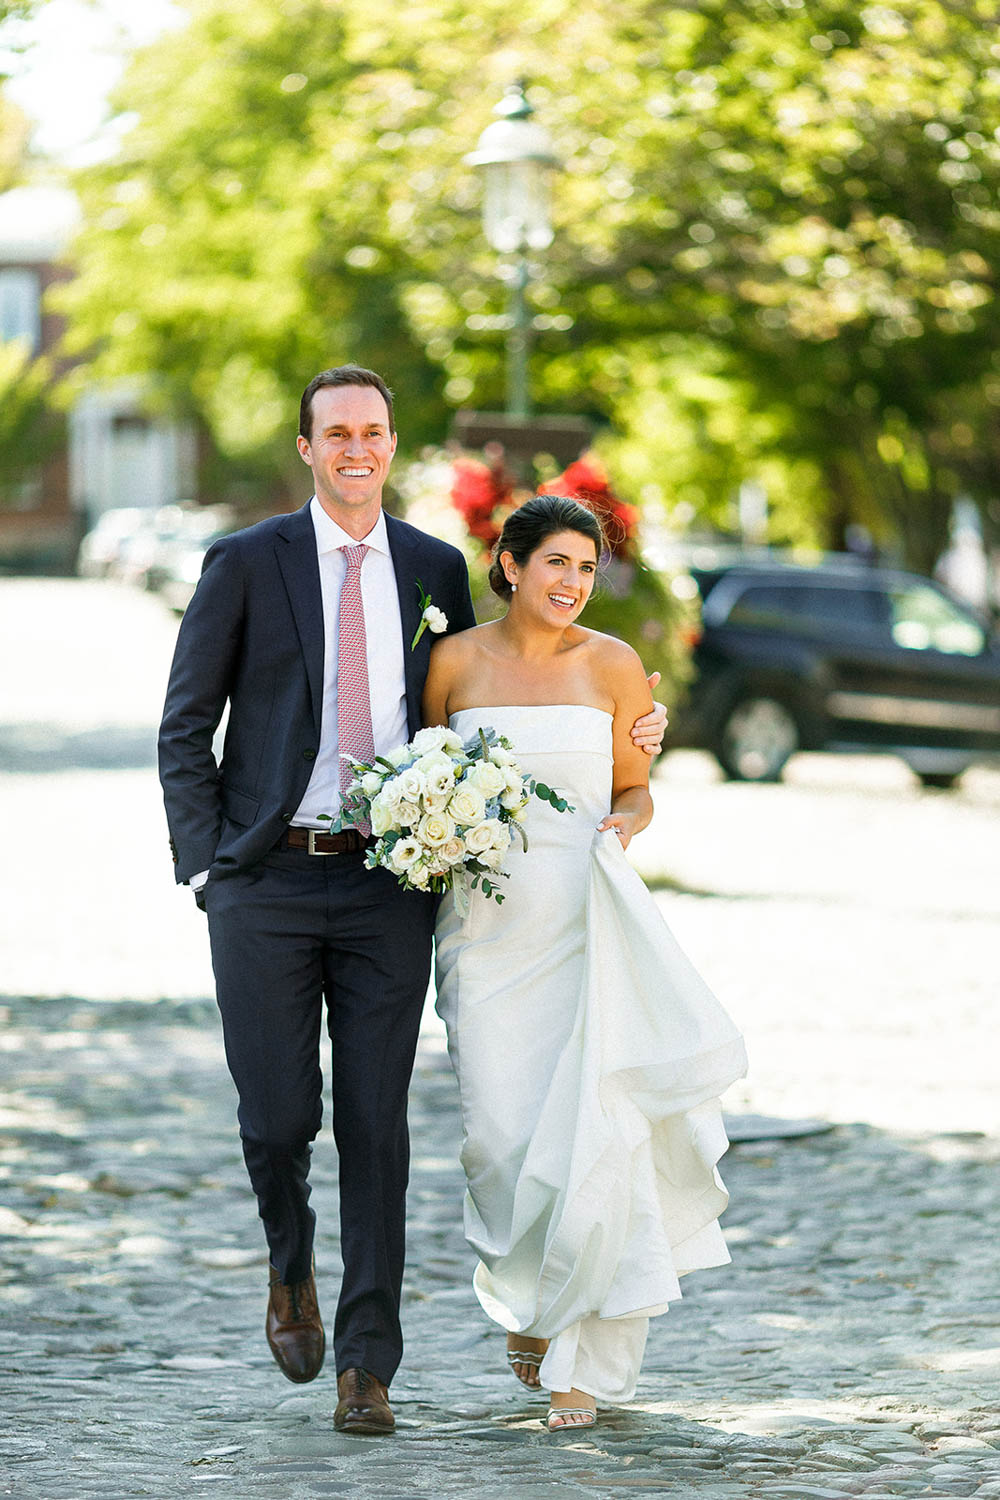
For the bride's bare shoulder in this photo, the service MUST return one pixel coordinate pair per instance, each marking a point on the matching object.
(452, 650)
(608, 651)
(615, 664)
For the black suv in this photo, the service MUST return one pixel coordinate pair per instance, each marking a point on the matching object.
(838, 657)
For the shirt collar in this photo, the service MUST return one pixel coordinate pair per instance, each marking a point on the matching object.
(330, 536)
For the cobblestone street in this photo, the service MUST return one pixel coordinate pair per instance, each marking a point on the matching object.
(848, 920)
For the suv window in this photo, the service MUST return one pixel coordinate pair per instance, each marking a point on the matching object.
(797, 607)
(768, 607)
(924, 620)
(856, 607)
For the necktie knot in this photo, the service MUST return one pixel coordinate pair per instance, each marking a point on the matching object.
(355, 556)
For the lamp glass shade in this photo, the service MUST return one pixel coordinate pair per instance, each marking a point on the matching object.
(515, 205)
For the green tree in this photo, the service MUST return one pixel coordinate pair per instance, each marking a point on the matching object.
(18, 10)
(775, 227)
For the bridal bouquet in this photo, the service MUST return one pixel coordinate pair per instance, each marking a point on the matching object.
(438, 808)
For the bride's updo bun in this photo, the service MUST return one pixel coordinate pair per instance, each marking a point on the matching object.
(526, 528)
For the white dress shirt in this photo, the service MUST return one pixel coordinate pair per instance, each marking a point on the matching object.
(385, 652)
(384, 640)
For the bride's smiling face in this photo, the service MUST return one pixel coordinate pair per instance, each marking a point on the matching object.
(557, 579)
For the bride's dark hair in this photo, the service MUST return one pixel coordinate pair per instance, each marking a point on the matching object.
(526, 528)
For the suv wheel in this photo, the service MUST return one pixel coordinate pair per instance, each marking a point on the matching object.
(755, 740)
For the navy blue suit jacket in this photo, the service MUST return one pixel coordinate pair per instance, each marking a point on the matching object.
(252, 636)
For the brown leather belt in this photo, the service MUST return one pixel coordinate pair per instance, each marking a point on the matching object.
(314, 842)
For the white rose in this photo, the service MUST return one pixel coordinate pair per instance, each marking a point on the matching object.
(425, 741)
(435, 829)
(453, 852)
(493, 858)
(480, 837)
(382, 816)
(489, 779)
(500, 833)
(437, 770)
(411, 784)
(391, 793)
(435, 802)
(397, 756)
(371, 783)
(407, 813)
(404, 854)
(437, 620)
(467, 804)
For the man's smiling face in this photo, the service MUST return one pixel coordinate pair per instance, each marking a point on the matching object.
(349, 452)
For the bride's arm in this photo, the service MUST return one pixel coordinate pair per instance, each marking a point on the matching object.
(631, 804)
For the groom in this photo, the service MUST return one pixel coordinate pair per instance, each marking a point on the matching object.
(305, 626)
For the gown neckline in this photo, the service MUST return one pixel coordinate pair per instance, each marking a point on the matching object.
(487, 708)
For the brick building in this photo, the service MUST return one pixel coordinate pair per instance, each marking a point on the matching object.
(111, 452)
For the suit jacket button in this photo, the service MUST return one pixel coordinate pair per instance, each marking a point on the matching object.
(309, 755)
(286, 817)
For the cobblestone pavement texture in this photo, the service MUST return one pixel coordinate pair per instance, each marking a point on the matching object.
(848, 919)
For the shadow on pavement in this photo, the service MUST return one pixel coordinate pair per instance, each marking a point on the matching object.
(853, 1339)
(30, 748)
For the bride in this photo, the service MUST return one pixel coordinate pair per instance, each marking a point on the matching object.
(589, 1054)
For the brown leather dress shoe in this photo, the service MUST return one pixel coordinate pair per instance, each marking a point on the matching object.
(294, 1328)
(363, 1406)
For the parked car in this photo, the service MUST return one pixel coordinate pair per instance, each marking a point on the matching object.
(179, 565)
(103, 547)
(144, 554)
(161, 550)
(838, 657)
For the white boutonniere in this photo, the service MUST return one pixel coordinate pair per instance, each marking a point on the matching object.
(431, 618)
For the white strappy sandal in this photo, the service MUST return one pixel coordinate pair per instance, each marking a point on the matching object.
(525, 1357)
(555, 1420)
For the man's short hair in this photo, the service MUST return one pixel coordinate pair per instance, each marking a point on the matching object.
(341, 375)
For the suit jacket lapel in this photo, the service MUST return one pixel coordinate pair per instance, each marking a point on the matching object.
(406, 563)
(298, 560)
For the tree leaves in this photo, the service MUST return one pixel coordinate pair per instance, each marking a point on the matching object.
(775, 229)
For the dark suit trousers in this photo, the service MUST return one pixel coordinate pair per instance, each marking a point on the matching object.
(291, 931)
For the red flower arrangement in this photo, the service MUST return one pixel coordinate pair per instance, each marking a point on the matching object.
(586, 480)
(482, 493)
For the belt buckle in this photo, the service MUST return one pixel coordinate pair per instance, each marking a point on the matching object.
(311, 846)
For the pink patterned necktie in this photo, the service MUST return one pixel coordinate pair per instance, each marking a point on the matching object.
(354, 709)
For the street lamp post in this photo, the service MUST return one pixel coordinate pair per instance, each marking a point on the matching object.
(515, 154)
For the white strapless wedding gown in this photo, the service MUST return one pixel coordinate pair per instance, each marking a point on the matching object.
(590, 1058)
